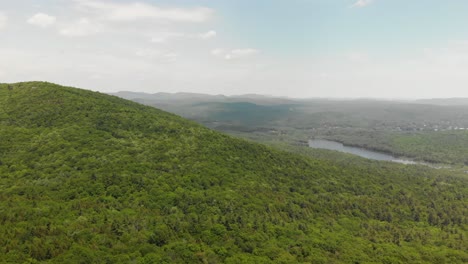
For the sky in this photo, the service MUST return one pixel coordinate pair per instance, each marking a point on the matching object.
(295, 48)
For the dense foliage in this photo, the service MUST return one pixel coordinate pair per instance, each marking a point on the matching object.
(429, 130)
(449, 147)
(91, 178)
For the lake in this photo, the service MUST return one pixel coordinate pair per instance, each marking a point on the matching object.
(362, 152)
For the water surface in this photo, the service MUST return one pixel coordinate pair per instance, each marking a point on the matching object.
(362, 152)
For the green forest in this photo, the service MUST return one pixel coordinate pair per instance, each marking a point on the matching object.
(448, 147)
(87, 177)
(434, 131)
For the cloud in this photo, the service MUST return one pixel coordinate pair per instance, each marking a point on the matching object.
(362, 3)
(217, 52)
(3, 20)
(157, 55)
(113, 11)
(81, 28)
(240, 53)
(358, 57)
(165, 36)
(208, 35)
(234, 54)
(42, 20)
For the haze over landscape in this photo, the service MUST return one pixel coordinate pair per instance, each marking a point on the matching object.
(233, 131)
(297, 48)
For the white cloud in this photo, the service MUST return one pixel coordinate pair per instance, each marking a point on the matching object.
(234, 54)
(362, 3)
(81, 28)
(208, 35)
(218, 52)
(358, 57)
(164, 36)
(42, 20)
(240, 53)
(157, 55)
(114, 11)
(3, 20)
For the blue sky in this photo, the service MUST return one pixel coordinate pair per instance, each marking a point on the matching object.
(320, 26)
(298, 48)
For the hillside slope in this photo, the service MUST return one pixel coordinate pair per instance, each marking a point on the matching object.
(92, 178)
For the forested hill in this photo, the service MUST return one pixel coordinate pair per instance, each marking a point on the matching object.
(91, 178)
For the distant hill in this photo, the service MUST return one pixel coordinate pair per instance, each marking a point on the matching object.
(169, 96)
(445, 102)
(92, 178)
(265, 99)
(194, 98)
(419, 130)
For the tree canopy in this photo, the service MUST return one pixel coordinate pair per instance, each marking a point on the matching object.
(92, 178)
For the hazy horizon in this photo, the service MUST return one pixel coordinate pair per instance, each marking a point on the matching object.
(336, 49)
(297, 98)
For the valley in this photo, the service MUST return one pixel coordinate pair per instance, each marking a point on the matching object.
(233, 132)
(361, 152)
(413, 129)
(90, 178)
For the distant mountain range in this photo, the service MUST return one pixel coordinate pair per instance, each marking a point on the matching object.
(265, 99)
(445, 101)
(196, 97)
